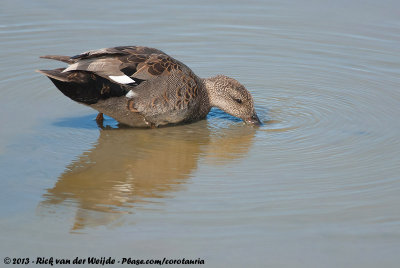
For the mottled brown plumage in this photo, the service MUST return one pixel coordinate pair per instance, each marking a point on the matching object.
(144, 87)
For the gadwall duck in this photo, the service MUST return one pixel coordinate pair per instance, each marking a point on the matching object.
(144, 87)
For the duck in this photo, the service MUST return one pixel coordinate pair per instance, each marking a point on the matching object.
(144, 87)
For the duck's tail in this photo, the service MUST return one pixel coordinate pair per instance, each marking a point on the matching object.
(82, 86)
(66, 59)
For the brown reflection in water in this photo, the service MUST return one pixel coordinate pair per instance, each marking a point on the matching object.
(130, 167)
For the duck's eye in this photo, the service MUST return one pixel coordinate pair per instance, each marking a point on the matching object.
(238, 101)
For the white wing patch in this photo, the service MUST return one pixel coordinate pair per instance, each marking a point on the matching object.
(130, 94)
(122, 79)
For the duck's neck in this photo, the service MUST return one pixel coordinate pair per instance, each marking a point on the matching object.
(212, 91)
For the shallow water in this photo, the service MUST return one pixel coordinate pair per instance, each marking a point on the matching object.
(316, 186)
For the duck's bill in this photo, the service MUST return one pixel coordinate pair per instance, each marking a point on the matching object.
(253, 120)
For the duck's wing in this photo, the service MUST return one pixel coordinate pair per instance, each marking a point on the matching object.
(121, 50)
(116, 64)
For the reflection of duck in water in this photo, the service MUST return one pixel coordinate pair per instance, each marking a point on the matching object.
(127, 168)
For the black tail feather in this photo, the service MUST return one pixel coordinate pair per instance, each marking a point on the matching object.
(84, 87)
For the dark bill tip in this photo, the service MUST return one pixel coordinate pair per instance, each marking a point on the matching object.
(253, 120)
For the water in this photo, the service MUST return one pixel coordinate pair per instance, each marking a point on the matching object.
(316, 186)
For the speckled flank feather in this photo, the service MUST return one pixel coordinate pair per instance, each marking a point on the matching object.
(161, 89)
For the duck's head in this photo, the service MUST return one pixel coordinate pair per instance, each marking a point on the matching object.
(232, 97)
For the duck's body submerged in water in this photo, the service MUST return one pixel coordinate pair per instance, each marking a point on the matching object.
(144, 87)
